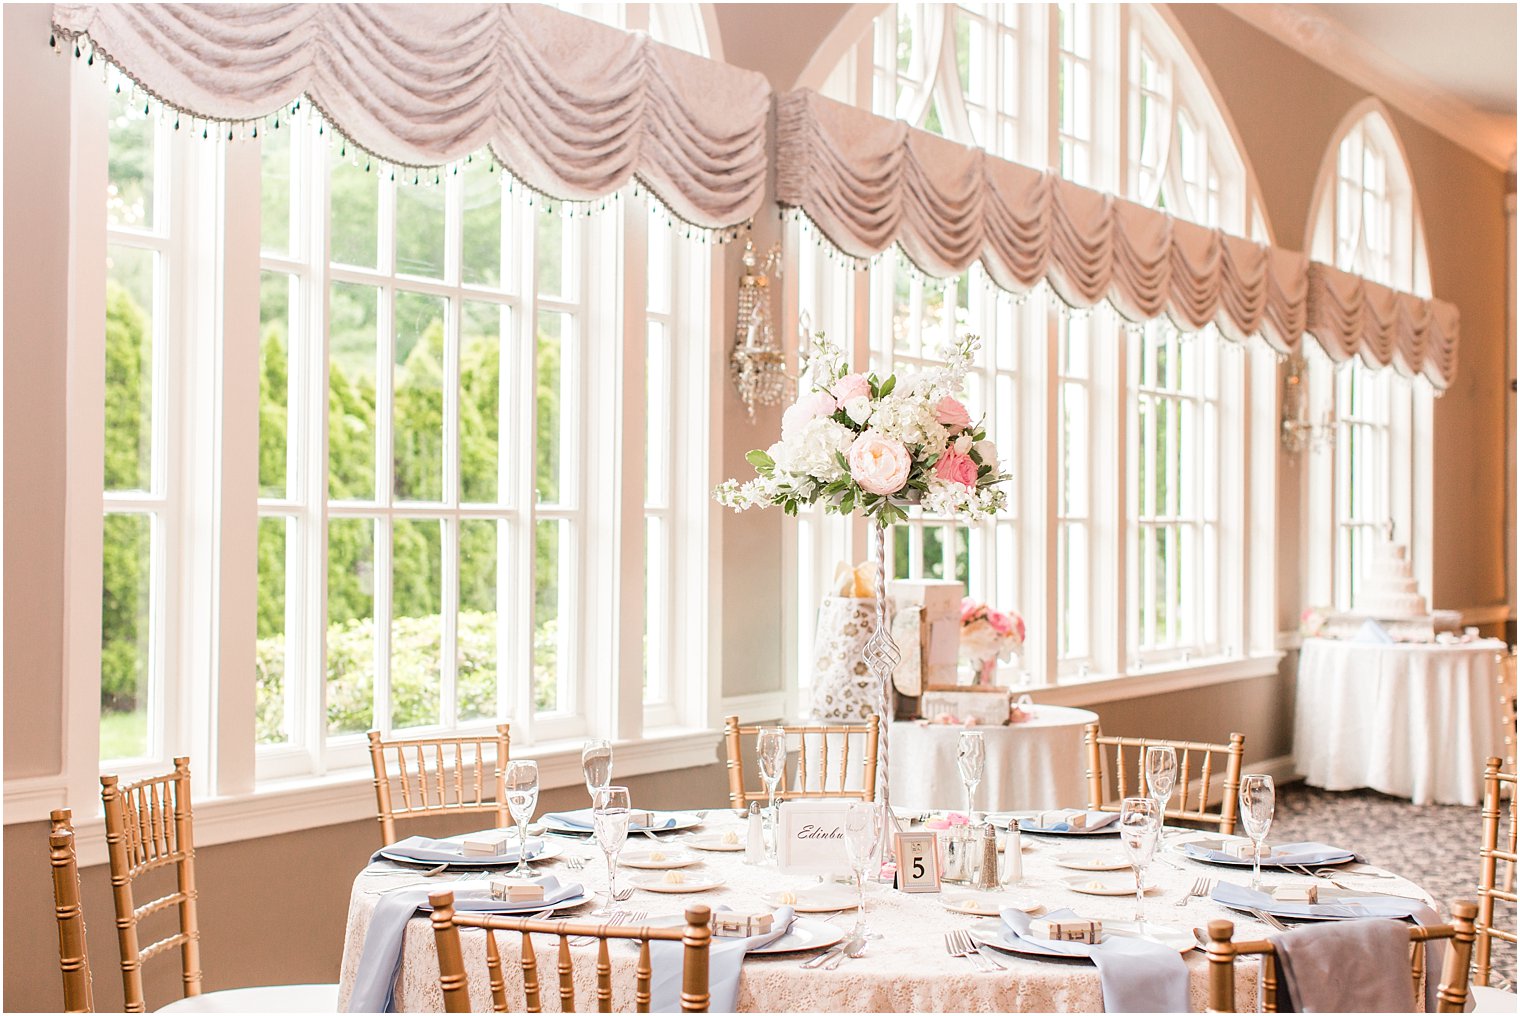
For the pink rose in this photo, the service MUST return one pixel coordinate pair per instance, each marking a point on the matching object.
(952, 414)
(851, 386)
(809, 407)
(954, 467)
(969, 607)
(1000, 622)
(879, 464)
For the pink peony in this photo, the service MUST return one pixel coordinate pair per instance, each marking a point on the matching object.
(879, 464)
(955, 467)
(952, 414)
(1000, 622)
(809, 407)
(851, 386)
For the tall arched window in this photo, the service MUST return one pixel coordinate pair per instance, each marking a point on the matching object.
(1366, 220)
(1111, 544)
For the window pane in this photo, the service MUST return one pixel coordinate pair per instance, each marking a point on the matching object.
(276, 293)
(271, 660)
(416, 622)
(417, 427)
(419, 230)
(481, 260)
(483, 331)
(275, 193)
(553, 328)
(130, 175)
(548, 639)
(352, 351)
(553, 248)
(126, 635)
(656, 608)
(657, 415)
(354, 201)
(131, 272)
(479, 647)
(350, 625)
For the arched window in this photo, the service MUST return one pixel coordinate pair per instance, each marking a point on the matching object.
(1367, 483)
(1115, 436)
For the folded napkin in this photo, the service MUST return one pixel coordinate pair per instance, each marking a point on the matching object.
(1095, 820)
(725, 960)
(1375, 905)
(420, 848)
(380, 960)
(1283, 853)
(584, 819)
(1137, 975)
(1372, 633)
(1345, 966)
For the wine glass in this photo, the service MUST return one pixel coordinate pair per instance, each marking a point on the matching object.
(770, 750)
(609, 819)
(596, 764)
(1258, 800)
(862, 836)
(1161, 775)
(971, 757)
(1139, 830)
(522, 799)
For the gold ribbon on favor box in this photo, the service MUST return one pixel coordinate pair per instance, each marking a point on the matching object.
(855, 581)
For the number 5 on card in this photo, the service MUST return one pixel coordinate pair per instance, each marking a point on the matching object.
(917, 862)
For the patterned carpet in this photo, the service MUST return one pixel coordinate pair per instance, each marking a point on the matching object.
(1436, 846)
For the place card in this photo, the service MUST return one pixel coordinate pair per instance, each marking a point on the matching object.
(810, 837)
(917, 862)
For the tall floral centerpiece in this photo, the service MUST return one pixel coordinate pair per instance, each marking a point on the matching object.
(863, 445)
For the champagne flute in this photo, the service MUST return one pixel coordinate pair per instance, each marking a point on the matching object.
(971, 757)
(862, 836)
(522, 799)
(1139, 830)
(1161, 776)
(770, 750)
(609, 818)
(1258, 800)
(596, 764)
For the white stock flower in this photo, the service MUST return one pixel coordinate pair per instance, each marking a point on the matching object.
(814, 449)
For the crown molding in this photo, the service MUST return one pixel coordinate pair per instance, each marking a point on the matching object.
(1300, 27)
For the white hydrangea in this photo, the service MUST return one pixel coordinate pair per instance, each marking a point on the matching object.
(814, 450)
(945, 498)
(908, 418)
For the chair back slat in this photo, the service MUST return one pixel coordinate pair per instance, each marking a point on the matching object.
(1183, 806)
(695, 936)
(73, 955)
(411, 778)
(803, 787)
(493, 972)
(1497, 847)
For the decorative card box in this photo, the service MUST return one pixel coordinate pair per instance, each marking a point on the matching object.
(937, 602)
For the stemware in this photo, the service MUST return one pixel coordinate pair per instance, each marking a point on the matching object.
(1161, 775)
(770, 751)
(971, 757)
(522, 799)
(1139, 830)
(863, 823)
(1258, 801)
(596, 764)
(609, 820)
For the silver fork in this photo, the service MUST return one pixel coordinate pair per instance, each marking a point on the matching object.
(1266, 918)
(975, 951)
(1201, 887)
(955, 947)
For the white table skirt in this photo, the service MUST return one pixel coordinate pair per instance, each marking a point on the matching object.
(1415, 721)
(1031, 765)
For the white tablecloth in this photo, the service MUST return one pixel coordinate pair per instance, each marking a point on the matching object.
(1036, 764)
(1415, 721)
(907, 970)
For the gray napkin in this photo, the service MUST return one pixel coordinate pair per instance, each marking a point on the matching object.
(1137, 975)
(725, 961)
(1095, 820)
(421, 848)
(585, 819)
(1309, 853)
(380, 960)
(1345, 966)
(1372, 633)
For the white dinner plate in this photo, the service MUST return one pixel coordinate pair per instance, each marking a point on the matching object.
(463, 890)
(657, 860)
(714, 841)
(1328, 896)
(683, 820)
(805, 933)
(980, 904)
(697, 884)
(549, 850)
(1111, 829)
(1103, 885)
(1093, 862)
(1246, 862)
(815, 899)
(999, 936)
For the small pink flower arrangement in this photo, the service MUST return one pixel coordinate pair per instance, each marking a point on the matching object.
(989, 635)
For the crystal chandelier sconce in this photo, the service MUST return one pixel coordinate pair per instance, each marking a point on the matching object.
(1298, 433)
(757, 364)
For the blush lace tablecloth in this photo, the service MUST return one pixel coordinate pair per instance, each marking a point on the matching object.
(908, 970)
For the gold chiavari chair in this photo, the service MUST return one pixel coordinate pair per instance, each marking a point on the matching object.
(1192, 795)
(734, 737)
(148, 827)
(73, 956)
(1491, 854)
(1452, 992)
(425, 786)
(696, 937)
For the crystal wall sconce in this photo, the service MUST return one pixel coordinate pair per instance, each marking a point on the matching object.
(757, 364)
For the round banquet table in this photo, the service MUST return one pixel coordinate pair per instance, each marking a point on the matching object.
(1033, 765)
(1411, 720)
(907, 970)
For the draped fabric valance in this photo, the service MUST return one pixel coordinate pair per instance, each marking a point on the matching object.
(573, 108)
(867, 182)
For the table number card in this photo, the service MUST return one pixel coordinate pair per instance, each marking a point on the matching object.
(917, 862)
(810, 837)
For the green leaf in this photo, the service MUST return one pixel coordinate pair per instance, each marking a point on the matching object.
(888, 385)
(760, 459)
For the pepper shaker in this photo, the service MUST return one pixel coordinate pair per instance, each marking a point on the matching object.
(986, 876)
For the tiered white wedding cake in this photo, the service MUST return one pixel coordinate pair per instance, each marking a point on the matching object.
(1389, 589)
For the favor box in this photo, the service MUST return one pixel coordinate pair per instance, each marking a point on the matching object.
(734, 924)
(491, 843)
(1067, 930)
(516, 890)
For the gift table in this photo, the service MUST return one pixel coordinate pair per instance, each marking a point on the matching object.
(1412, 720)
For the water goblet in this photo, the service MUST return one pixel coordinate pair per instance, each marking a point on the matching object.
(596, 764)
(971, 758)
(770, 751)
(522, 799)
(863, 823)
(1258, 801)
(1139, 831)
(609, 821)
(1161, 775)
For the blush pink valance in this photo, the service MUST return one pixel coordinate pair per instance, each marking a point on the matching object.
(573, 108)
(867, 183)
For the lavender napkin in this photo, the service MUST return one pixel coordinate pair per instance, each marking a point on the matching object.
(380, 960)
(725, 961)
(1315, 962)
(1095, 820)
(1137, 975)
(1284, 853)
(583, 819)
(421, 848)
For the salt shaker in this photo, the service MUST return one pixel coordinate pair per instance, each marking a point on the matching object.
(986, 876)
(754, 849)
(1013, 855)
